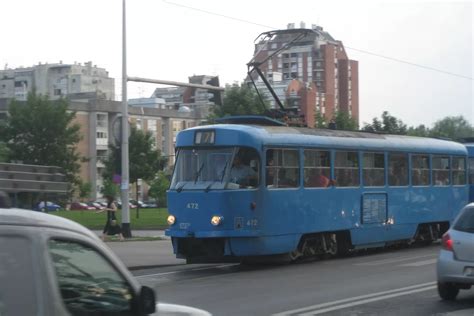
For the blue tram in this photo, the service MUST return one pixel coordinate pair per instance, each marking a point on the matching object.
(242, 191)
(470, 150)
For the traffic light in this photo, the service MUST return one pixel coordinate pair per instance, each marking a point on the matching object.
(215, 96)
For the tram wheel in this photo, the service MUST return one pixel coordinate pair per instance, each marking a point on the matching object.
(343, 244)
(294, 255)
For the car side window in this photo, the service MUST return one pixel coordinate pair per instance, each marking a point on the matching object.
(89, 284)
(465, 222)
(17, 278)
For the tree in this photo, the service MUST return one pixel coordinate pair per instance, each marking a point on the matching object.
(158, 188)
(341, 121)
(42, 132)
(345, 122)
(320, 120)
(389, 124)
(239, 100)
(144, 160)
(109, 188)
(85, 189)
(3, 152)
(421, 131)
(454, 127)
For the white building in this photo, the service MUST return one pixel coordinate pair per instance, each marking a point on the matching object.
(56, 80)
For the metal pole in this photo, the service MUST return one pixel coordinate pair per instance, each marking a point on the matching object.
(175, 83)
(124, 187)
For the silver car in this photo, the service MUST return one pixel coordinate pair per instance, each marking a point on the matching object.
(53, 266)
(455, 266)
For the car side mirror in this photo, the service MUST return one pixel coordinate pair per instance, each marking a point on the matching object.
(147, 301)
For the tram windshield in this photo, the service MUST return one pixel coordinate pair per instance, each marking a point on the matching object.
(216, 168)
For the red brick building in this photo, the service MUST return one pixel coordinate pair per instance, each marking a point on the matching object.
(328, 79)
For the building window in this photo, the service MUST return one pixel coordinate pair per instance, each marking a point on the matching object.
(102, 120)
(57, 91)
(101, 134)
(20, 84)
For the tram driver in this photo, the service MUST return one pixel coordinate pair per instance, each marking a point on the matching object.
(241, 173)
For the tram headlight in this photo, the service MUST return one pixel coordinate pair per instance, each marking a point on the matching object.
(217, 220)
(171, 220)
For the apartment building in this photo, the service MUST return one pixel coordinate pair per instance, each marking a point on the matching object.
(56, 80)
(91, 95)
(100, 122)
(320, 63)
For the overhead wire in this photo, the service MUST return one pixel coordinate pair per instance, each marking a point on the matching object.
(351, 48)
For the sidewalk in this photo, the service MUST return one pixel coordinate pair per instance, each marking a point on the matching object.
(145, 254)
(141, 233)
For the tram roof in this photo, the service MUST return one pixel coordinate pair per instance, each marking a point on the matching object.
(300, 136)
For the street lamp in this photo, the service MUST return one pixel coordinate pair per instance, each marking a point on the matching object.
(124, 185)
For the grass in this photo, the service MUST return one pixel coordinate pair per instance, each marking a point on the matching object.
(151, 218)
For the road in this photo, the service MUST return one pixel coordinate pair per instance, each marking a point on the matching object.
(389, 282)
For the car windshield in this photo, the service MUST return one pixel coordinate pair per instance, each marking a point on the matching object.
(215, 168)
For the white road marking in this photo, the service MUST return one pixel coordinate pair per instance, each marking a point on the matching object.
(387, 261)
(369, 300)
(356, 300)
(178, 271)
(419, 263)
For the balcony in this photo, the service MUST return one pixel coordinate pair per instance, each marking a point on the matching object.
(103, 142)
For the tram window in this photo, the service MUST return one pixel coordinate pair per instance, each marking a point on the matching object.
(374, 169)
(471, 170)
(317, 169)
(346, 169)
(420, 170)
(398, 170)
(282, 168)
(245, 168)
(440, 170)
(459, 171)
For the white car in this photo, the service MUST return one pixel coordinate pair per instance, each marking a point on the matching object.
(52, 266)
(455, 267)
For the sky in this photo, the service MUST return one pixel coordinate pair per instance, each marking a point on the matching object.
(167, 40)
